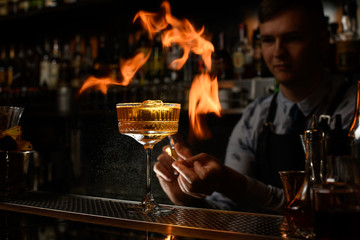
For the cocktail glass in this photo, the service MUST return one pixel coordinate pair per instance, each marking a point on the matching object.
(148, 123)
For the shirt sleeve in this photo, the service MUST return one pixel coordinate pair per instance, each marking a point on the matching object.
(240, 156)
(258, 197)
(240, 152)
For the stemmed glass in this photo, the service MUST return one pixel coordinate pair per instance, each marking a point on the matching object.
(148, 123)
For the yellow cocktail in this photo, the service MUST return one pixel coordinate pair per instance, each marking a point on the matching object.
(148, 123)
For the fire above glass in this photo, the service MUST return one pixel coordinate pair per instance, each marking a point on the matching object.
(148, 123)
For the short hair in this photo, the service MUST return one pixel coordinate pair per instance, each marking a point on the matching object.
(313, 8)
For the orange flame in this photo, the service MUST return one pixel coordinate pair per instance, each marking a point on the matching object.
(169, 237)
(131, 66)
(181, 33)
(185, 35)
(168, 151)
(128, 69)
(152, 22)
(101, 84)
(203, 96)
(203, 99)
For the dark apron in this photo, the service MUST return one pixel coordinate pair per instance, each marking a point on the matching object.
(276, 152)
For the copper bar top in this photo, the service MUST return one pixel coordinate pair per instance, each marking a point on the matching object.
(183, 221)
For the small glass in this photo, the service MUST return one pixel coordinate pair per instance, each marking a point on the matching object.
(292, 182)
(148, 123)
(10, 116)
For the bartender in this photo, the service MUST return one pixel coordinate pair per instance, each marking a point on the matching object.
(295, 42)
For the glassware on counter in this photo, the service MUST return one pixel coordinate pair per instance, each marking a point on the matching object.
(336, 202)
(291, 181)
(10, 116)
(148, 123)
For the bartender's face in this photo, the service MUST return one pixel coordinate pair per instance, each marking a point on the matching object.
(291, 47)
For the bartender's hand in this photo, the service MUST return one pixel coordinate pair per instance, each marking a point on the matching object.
(167, 175)
(189, 177)
(199, 175)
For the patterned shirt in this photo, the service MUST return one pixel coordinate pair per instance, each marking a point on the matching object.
(240, 154)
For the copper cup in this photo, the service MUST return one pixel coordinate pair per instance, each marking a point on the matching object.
(292, 181)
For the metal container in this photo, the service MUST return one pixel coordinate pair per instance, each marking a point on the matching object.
(15, 177)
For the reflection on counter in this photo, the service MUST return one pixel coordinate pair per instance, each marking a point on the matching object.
(22, 226)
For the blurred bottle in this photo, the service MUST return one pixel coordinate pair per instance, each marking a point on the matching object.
(63, 89)
(3, 8)
(333, 29)
(348, 45)
(349, 19)
(45, 66)
(102, 60)
(54, 65)
(65, 72)
(87, 63)
(69, 1)
(173, 81)
(11, 68)
(24, 6)
(130, 46)
(32, 61)
(35, 5)
(115, 58)
(20, 79)
(156, 61)
(156, 73)
(38, 57)
(222, 65)
(142, 45)
(242, 55)
(50, 3)
(3, 67)
(13, 7)
(171, 54)
(76, 63)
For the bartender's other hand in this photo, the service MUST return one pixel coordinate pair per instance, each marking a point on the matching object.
(163, 167)
(167, 175)
(200, 175)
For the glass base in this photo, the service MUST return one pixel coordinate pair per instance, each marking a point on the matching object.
(150, 208)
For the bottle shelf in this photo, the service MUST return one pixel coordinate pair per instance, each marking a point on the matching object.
(64, 9)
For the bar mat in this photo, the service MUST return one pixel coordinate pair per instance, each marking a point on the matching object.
(113, 212)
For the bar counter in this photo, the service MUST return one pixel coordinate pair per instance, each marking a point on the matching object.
(183, 221)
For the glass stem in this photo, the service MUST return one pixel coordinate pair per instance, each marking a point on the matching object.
(148, 196)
